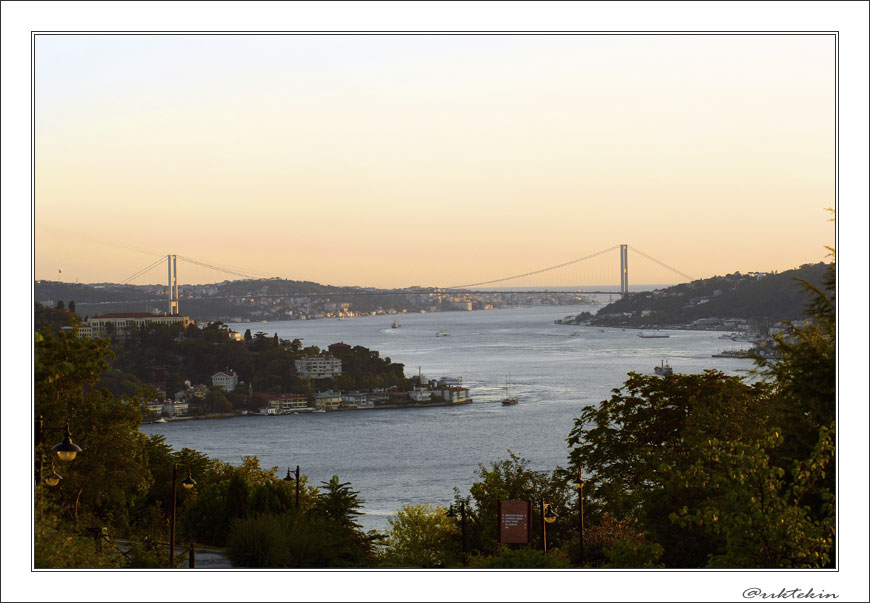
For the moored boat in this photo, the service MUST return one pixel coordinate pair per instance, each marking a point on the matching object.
(652, 334)
(664, 369)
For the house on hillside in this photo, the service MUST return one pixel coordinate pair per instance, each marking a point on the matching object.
(226, 380)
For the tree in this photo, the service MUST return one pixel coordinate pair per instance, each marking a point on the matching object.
(59, 305)
(421, 536)
(340, 504)
(106, 476)
(514, 479)
(760, 516)
(71, 306)
(632, 444)
(248, 337)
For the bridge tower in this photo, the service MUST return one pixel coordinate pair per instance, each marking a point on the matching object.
(173, 285)
(623, 269)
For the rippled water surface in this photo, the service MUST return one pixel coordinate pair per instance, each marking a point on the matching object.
(395, 457)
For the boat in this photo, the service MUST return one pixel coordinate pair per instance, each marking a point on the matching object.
(742, 353)
(508, 400)
(442, 334)
(576, 334)
(664, 369)
(160, 420)
(652, 334)
(319, 410)
(396, 324)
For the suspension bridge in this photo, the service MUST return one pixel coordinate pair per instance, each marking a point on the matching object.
(497, 286)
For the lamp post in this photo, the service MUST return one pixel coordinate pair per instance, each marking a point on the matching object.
(66, 450)
(289, 478)
(547, 516)
(188, 483)
(451, 512)
(579, 483)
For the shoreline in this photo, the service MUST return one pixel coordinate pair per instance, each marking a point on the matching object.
(228, 415)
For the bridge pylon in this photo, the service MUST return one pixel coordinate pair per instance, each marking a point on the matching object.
(173, 285)
(623, 269)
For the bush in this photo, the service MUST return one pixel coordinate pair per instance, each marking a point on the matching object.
(290, 540)
(522, 559)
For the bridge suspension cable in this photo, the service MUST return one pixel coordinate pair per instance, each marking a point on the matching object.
(143, 271)
(218, 268)
(683, 274)
(508, 278)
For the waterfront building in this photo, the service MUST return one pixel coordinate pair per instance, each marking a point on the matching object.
(454, 395)
(418, 394)
(328, 400)
(288, 402)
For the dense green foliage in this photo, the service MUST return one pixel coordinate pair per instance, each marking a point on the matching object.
(263, 363)
(768, 298)
(422, 536)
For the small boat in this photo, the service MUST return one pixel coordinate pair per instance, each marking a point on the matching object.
(319, 410)
(652, 334)
(508, 400)
(664, 369)
(160, 420)
(576, 334)
(442, 334)
(396, 324)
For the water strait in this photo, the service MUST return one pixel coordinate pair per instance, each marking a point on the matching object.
(395, 457)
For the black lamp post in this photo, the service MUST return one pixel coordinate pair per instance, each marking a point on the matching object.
(579, 483)
(289, 478)
(188, 483)
(451, 512)
(66, 450)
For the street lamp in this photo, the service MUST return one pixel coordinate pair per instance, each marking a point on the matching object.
(579, 483)
(289, 478)
(187, 483)
(53, 479)
(66, 450)
(451, 512)
(547, 516)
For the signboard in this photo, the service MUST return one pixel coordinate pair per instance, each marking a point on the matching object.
(514, 521)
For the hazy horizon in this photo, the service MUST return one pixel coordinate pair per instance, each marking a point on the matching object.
(374, 160)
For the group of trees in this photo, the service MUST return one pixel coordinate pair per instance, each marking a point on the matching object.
(685, 471)
(771, 297)
(171, 355)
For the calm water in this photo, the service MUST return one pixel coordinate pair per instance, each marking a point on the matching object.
(412, 456)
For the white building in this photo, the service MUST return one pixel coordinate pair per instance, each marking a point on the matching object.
(122, 323)
(420, 395)
(226, 380)
(316, 367)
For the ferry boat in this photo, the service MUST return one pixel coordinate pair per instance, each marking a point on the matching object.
(664, 369)
(652, 334)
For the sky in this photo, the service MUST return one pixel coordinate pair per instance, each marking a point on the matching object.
(393, 161)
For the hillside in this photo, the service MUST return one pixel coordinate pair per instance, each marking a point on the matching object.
(753, 297)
